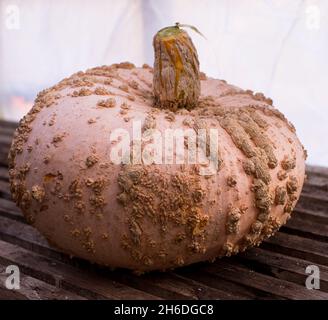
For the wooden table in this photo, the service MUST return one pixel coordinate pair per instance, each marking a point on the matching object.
(275, 270)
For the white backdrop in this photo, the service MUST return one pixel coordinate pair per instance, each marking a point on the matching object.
(278, 47)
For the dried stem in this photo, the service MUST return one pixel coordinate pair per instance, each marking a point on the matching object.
(176, 80)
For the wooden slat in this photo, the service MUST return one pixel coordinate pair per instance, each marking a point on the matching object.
(202, 291)
(310, 215)
(172, 286)
(212, 280)
(8, 124)
(4, 174)
(5, 141)
(315, 194)
(28, 238)
(10, 210)
(317, 170)
(34, 289)
(317, 182)
(4, 190)
(7, 132)
(3, 156)
(311, 202)
(298, 247)
(282, 266)
(10, 295)
(307, 228)
(82, 282)
(237, 273)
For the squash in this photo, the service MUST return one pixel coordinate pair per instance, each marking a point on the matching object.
(91, 168)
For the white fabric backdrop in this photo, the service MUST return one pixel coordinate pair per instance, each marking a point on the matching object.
(277, 47)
